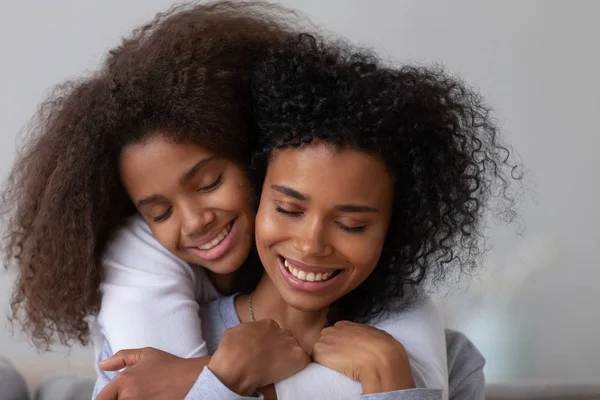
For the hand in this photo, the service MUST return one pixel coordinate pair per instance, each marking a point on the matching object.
(365, 354)
(150, 374)
(256, 354)
(125, 358)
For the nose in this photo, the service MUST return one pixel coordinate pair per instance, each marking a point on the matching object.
(195, 218)
(311, 238)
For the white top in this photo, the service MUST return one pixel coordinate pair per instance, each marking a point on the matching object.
(150, 299)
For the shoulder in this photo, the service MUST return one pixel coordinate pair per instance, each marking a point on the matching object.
(131, 237)
(420, 329)
(217, 316)
(462, 351)
(465, 364)
(133, 250)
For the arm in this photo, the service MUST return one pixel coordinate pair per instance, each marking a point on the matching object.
(407, 394)
(466, 378)
(249, 356)
(420, 330)
(153, 373)
(209, 387)
(465, 364)
(471, 388)
(371, 357)
(149, 297)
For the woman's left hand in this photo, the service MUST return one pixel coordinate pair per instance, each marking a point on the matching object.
(365, 354)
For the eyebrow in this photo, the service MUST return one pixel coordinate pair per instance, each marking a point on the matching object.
(349, 208)
(352, 208)
(192, 171)
(189, 174)
(148, 200)
(288, 191)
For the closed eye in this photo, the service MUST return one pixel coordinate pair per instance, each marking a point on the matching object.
(352, 229)
(212, 185)
(164, 215)
(286, 212)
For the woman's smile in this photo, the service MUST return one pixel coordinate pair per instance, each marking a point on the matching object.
(319, 233)
(308, 278)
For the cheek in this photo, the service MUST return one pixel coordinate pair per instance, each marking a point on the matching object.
(231, 199)
(364, 253)
(273, 228)
(236, 195)
(167, 234)
(266, 227)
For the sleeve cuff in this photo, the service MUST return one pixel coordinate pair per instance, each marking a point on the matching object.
(407, 394)
(209, 387)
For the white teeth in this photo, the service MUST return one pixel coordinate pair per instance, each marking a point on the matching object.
(307, 276)
(218, 239)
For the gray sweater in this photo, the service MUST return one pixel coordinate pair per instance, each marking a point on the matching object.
(465, 363)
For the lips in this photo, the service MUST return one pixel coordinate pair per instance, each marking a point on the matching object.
(212, 239)
(218, 239)
(220, 244)
(297, 275)
(308, 273)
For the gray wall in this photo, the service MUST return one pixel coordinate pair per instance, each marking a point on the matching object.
(537, 63)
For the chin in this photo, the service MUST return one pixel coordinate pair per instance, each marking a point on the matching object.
(222, 270)
(225, 267)
(306, 303)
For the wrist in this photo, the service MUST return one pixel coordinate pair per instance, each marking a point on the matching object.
(381, 379)
(232, 375)
(195, 365)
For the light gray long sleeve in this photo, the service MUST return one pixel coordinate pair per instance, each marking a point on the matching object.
(209, 387)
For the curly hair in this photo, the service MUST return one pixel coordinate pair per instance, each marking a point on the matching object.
(183, 75)
(434, 134)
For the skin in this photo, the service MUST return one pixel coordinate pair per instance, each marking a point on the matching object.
(325, 208)
(186, 205)
(193, 200)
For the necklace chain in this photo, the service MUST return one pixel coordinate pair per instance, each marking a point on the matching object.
(250, 306)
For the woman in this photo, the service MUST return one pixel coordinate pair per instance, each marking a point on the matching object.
(370, 176)
(182, 78)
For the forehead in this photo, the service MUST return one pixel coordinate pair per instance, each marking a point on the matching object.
(151, 164)
(339, 174)
(159, 147)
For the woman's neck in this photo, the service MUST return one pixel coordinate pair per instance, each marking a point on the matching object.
(267, 303)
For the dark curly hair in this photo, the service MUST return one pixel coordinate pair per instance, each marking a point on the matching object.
(183, 75)
(434, 134)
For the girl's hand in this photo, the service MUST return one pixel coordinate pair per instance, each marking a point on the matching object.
(365, 354)
(256, 354)
(250, 355)
(150, 374)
